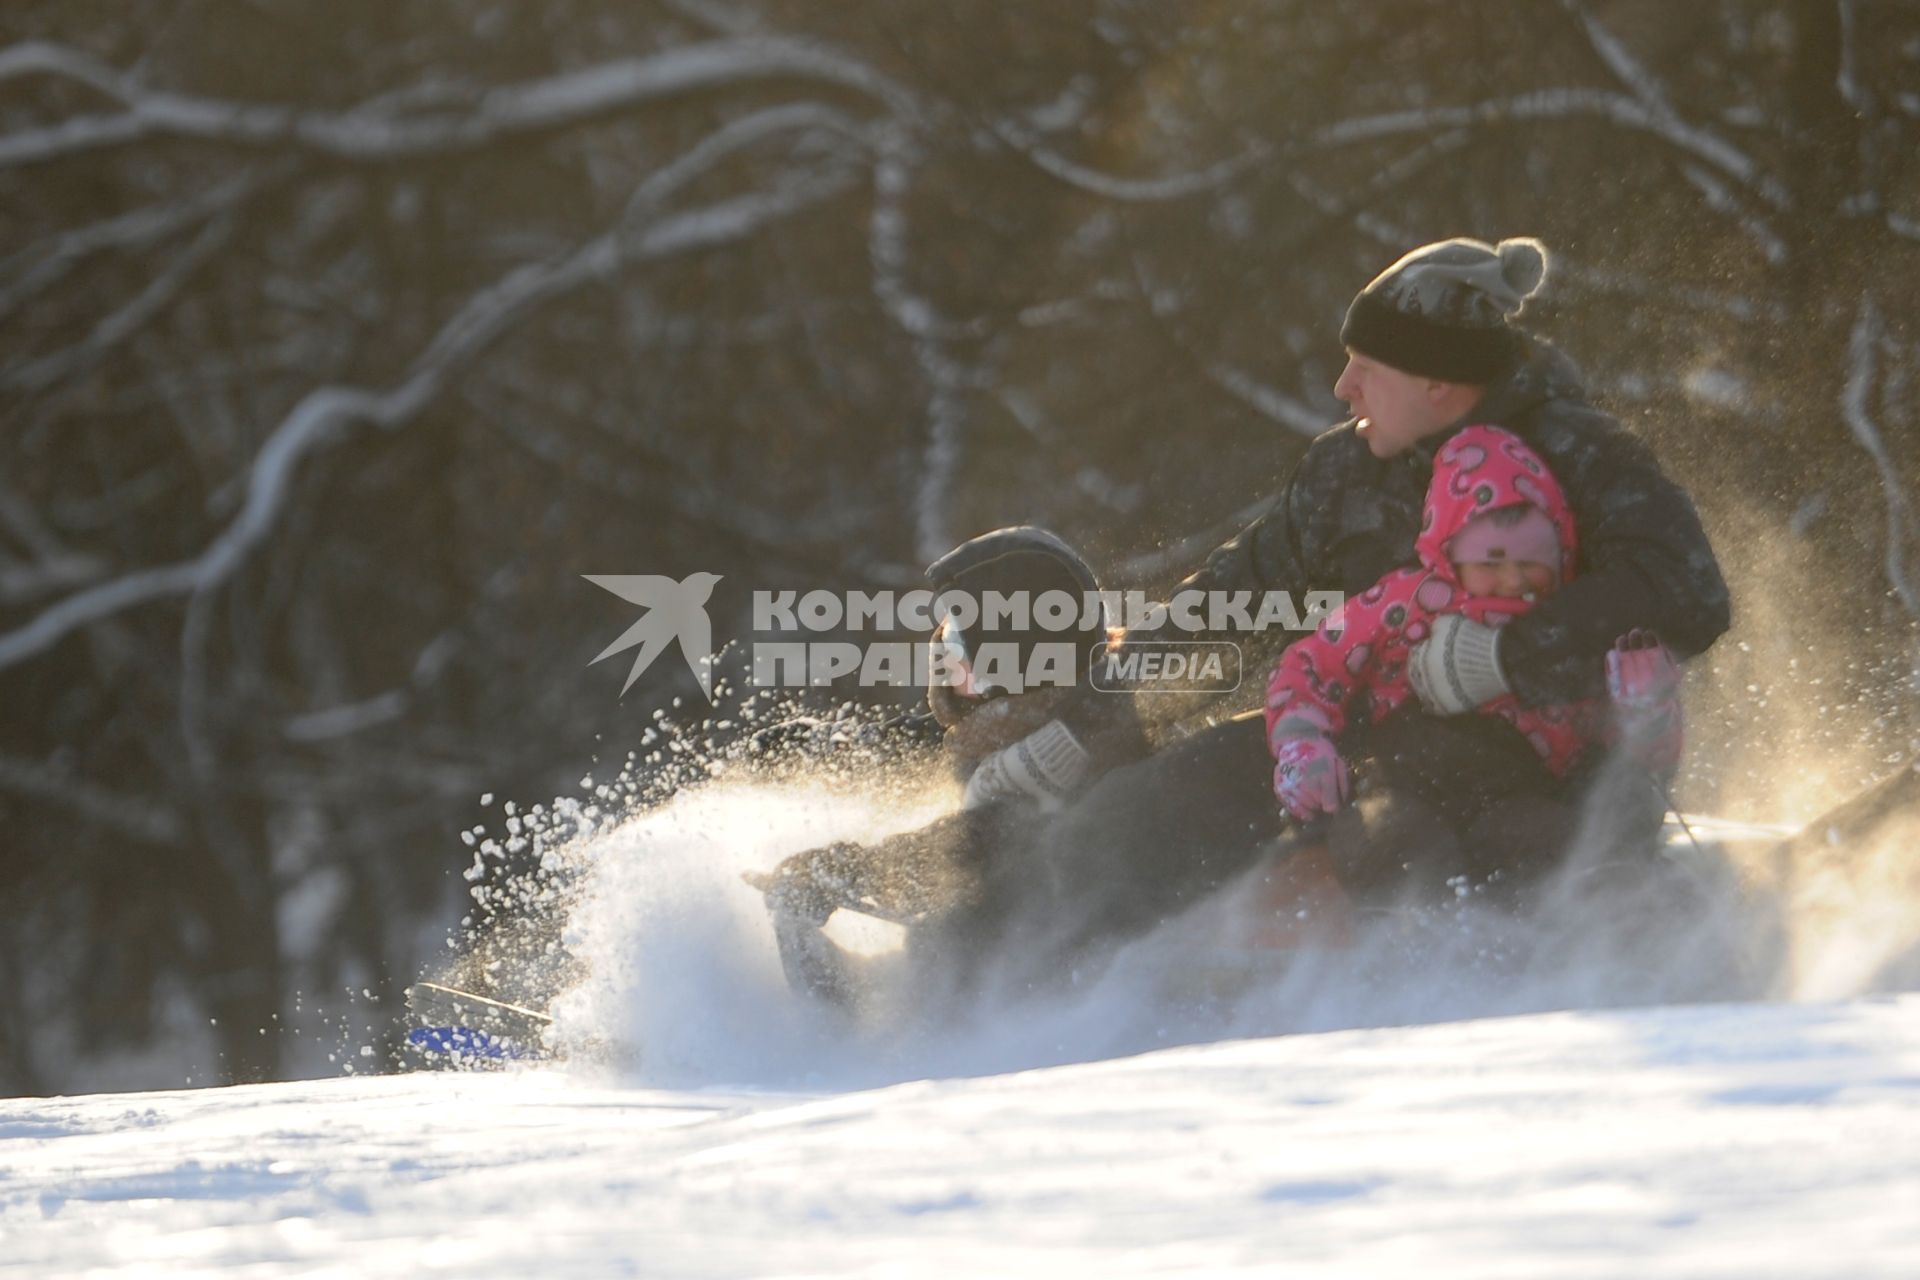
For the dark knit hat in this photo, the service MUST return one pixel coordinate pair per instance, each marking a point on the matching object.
(1030, 560)
(1444, 310)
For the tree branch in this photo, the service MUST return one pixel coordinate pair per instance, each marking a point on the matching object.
(1269, 402)
(37, 375)
(1648, 89)
(346, 719)
(43, 264)
(925, 329)
(734, 136)
(147, 821)
(1383, 180)
(1132, 190)
(1560, 104)
(1861, 374)
(1847, 76)
(22, 583)
(19, 518)
(325, 413)
(1722, 200)
(725, 19)
(393, 128)
(1620, 60)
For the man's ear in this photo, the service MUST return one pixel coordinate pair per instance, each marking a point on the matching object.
(1453, 397)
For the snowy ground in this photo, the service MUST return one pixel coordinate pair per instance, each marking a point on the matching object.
(757, 1136)
(1763, 1140)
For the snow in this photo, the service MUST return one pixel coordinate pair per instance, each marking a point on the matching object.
(1457, 1100)
(1735, 1140)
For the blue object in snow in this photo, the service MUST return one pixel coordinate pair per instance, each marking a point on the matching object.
(465, 1042)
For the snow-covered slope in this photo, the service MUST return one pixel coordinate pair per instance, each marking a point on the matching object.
(1730, 1140)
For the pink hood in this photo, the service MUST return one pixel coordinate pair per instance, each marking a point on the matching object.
(1480, 469)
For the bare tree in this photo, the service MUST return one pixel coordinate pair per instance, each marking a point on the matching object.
(342, 340)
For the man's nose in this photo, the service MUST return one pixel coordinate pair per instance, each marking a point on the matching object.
(1343, 385)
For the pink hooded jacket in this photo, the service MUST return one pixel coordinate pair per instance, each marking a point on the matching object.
(1355, 663)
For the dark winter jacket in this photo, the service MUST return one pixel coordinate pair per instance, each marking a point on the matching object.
(1345, 519)
(1354, 664)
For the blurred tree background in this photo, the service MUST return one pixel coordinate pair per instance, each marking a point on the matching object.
(341, 339)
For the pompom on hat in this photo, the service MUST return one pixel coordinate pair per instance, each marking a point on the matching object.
(1444, 311)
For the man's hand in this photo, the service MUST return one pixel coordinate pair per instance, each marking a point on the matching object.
(1457, 669)
(1309, 778)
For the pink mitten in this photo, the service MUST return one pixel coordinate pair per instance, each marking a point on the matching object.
(1310, 778)
(1641, 672)
(1643, 682)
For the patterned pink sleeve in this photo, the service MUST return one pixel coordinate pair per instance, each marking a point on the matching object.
(1314, 682)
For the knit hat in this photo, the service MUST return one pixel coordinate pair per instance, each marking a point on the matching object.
(1443, 311)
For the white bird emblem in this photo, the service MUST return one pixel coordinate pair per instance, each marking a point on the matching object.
(675, 610)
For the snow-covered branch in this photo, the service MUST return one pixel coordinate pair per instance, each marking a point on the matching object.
(41, 265)
(1364, 206)
(925, 329)
(1628, 69)
(20, 583)
(392, 128)
(18, 517)
(39, 374)
(345, 721)
(1560, 104)
(145, 821)
(1721, 199)
(1847, 78)
(1269, 402)
(325, 413)
(1131, 190)
(52, 568)
(726, 19)
(1854, 406)
(734, 136)
(1653, 95)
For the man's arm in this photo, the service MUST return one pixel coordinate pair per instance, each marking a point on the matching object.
(1645, 563)
(1264, 556)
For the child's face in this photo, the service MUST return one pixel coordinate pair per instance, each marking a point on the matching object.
(1511, 579)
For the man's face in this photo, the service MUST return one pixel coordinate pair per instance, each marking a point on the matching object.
(1394, 409)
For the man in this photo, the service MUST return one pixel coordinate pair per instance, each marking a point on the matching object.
(1432, 347)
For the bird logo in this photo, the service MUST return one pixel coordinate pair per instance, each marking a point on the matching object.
(675, 610)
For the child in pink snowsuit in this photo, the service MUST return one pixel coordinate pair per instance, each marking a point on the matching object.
(1497, 534)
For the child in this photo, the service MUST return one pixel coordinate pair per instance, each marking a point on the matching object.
(1497, 535)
